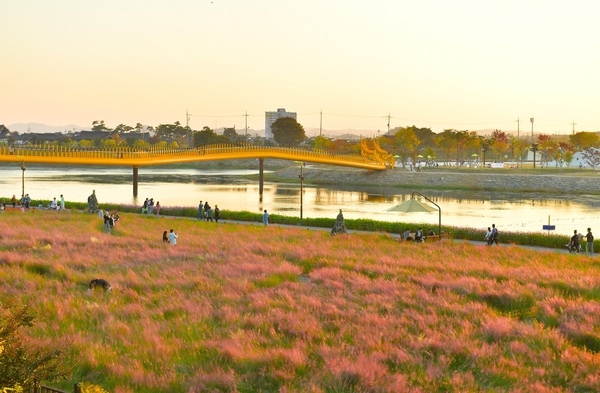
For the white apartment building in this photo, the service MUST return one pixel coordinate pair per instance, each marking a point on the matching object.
(270, 118)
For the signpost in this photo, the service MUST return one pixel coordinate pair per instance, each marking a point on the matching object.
(548, 227)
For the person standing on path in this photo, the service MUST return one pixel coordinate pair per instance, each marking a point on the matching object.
(265, 218)
(217, 213)
(589, 245)
(107, 223)
(62, 202)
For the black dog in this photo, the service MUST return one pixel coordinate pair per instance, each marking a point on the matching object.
(100, 283)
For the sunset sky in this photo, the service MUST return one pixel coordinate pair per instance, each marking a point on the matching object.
(464, 65)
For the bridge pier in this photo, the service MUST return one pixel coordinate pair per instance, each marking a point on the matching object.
(135, 181)
(261, 166)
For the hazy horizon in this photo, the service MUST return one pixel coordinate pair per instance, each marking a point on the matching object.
(464, 65)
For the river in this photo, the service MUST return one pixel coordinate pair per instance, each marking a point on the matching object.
(230, 190)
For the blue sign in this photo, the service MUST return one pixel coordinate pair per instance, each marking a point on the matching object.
(549, 227)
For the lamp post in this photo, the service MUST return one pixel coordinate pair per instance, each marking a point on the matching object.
(301, 177)
(533, 147)
(23, 178)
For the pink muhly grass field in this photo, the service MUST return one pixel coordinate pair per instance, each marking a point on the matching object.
(245, 308)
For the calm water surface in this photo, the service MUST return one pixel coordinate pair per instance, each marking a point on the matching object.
(231, 191)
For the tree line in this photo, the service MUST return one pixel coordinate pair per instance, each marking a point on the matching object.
(409, 144)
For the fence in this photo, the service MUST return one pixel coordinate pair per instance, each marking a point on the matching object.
(47, 389)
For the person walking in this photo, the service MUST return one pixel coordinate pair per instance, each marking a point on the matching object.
(200, 211)
(206, 209)
(173, 237)
(209, 213)
(265, 218)
(589, 245)
(62, 202)
(574, 242)
(488, 236)
(157, 208)
(494, 236)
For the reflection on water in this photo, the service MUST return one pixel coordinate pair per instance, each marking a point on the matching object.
(228, 189)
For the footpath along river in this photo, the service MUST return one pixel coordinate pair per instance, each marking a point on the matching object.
(514, 202)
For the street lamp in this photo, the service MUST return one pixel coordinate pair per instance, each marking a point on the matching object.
(533, 147)
(301, 177)
(23, 178)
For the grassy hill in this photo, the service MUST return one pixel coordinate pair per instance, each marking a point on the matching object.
(247, 308)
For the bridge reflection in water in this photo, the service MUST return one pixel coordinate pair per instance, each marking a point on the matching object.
(371, 158)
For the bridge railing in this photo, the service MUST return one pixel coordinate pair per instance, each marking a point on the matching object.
(132, 153)
(155, 155)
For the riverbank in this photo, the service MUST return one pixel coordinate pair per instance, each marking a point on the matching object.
(445, 178)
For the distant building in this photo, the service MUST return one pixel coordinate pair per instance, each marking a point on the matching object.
(4, 134)
(270, 118)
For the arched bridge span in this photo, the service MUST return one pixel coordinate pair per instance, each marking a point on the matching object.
(371, 159)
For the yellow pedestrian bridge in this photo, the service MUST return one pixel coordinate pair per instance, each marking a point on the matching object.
(372, 156)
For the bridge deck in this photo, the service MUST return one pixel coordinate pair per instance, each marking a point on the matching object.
(136, 158)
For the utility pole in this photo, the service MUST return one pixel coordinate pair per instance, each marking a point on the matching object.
(518, 137)
(388, 117)
(321, 123)
(573, 127)
(246, 116)
(533, 148)
(187, 126)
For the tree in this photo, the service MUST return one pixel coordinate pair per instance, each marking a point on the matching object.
(208, 137)
(109, 143)
(592, 157)
(98, 125)
(123, 128)
(500, 143)
(140, 144)
(406, 143)
(484, 146)
(425, 136)
(547, 147)
(230, 134)
(584, 140)
(173, 131)
(322, 143)
(288, 132)
(22, 361)
(519, 147)
(447, 142)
